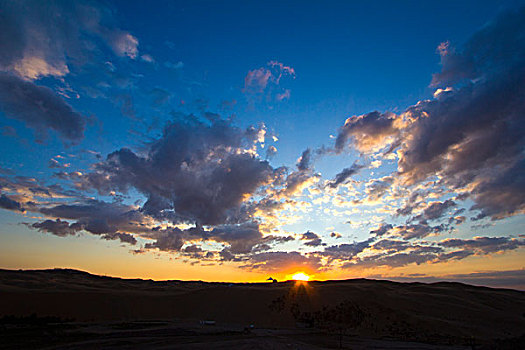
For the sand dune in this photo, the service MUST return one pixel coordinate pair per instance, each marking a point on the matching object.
(440, 313)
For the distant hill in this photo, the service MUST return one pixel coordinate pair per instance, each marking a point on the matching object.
(437, 312)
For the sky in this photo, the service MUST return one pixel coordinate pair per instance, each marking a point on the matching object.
(237, 140)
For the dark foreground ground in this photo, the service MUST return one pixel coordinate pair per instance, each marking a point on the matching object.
(68, 309)
(185, 335)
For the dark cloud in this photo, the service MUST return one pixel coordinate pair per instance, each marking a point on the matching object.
(305, 160)
(395, 260)
(10, 204)
(498, 44)
(381, 230)
(111, 220)
(437, 209)
(390, 245)
(344, 175)
(484, 245)
(416, 231)
(502, 195)
(377, 188)
(122, 236)
(240, 238)
(346, 251)
(57, 227)
(313, 239)
(193, 249)
(196, 172)
(167, 240)
(335, 235)
(366, 131)
(39, 108)
(409, 231)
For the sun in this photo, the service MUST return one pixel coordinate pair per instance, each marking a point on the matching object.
(300, 276)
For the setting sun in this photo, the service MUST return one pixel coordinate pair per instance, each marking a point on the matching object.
(300, 276)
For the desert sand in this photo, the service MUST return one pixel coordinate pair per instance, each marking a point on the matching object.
(63, 308)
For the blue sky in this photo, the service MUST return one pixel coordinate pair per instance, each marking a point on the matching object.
(242, 134)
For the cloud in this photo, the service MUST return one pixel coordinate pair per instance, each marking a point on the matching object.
(344, 175)
(346, 251)
(125, 44)
(39, 108)
(240, 238)
(267, 79)
(29, 191)
(279, 261)
(110, 220)
(335, 235)
(473, 135)
(57, 227)
(195, 173)
(390, 246)
(305, 160)
(282, 69)
(256, 80)
(167, 240)
(398, 253)
(312, 239)
(32, 68)
(34, 44)
(484, 245)
(55, 164)
(417, 230)
(123, 237)
(10, 204)
(382, 230)
(495, 46)
(436, 209)
(283, 96)
(367, 131)
(270, 152)
(377, 188)
(239, 242)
